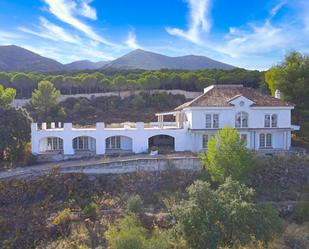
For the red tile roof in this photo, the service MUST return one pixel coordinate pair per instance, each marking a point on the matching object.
(222, 95)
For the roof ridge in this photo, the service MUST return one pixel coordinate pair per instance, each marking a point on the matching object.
(221, 95)
(228, 85)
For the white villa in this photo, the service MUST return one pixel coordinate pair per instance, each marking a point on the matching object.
(264, 122)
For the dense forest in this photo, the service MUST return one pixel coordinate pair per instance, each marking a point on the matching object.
(111, 80)
(113, 109)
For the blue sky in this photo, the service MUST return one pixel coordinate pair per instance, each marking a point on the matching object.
(253, 34)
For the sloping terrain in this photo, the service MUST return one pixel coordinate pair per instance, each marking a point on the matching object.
(141, 59)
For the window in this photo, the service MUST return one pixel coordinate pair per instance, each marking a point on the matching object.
(113, 142)
(205, 141)
(241, 120)
(268, 140)
(243, 138)
(267, 121)
(212, 121)
(83, 143)
(208, 120)
(265, 140)
(215, 121)
(274, 120)
(262, 140)
(271, 120)
(54, 143)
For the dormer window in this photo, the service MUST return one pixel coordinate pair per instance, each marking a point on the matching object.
(241, 120)
(271, 120)
(212, 121)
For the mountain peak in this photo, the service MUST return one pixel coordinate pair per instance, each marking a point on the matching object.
(14, 58)
(142, 59)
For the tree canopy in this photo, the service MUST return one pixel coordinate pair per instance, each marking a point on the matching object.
(115, 80)
(226, 217)
(14, 134)
(227, 155)
(6, 96)
(45, 98)
(291, 77)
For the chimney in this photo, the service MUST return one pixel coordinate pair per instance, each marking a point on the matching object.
(277, 94)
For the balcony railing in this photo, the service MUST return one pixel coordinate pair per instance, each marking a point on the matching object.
(53, 126)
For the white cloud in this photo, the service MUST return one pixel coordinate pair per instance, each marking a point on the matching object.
(63, 52)
(8, 35)
(256, 40)
(199, 22)
(131, 42)
(87, 11)
(51, 31)
(253, 43)
(276, 9)
(304, 6)
(66, 11)
(8, 38)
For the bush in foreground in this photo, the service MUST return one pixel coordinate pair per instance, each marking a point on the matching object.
(224, 217)
(128, 233)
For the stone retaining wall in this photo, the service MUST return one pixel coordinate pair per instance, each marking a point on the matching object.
(115, 166)
(134, 165)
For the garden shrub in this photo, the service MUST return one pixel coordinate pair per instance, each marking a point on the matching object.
(62, 217)
(159, 240)
(224, 217)
(90, 211)
(296, 237)
(301, 212)
(127, 233)
(134, 204)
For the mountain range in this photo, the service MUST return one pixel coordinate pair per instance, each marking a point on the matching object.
(14, 58)
(152, 61)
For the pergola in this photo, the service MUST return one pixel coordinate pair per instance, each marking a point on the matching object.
(177, 114)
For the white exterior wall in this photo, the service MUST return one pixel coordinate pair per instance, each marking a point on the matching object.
(135, 138)
(188, 138)
(281, 135)
(227, 116)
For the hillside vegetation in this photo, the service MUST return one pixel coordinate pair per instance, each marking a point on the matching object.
(75, 211)
(117, 80)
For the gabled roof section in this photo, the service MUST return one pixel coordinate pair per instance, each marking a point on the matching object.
(237, 98)
(222, 95)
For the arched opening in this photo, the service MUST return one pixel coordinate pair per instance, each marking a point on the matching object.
(51, 144)
(84, 144)
(118, 144)
(164, 143)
